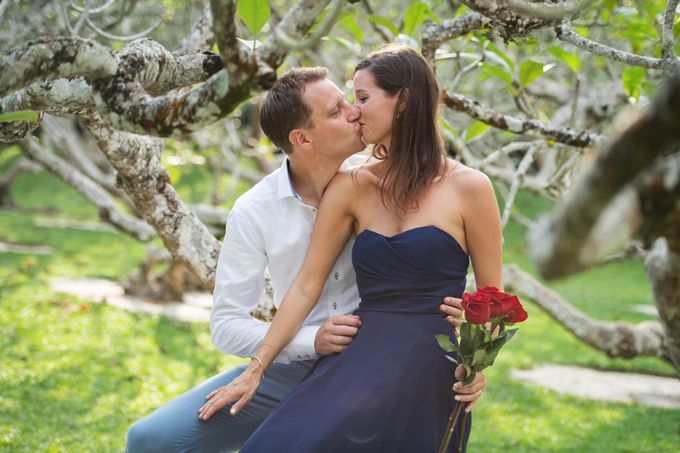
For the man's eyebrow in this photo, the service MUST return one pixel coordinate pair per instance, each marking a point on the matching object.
(333, 107)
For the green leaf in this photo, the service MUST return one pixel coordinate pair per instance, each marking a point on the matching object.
(415, 15)
(632, 79)
(445, 343)
(529, 71)
(351, 24)
(446, 125)
(469, 374)
(497, 71)
(254, 13)
(571, 59)
(480, 355)
(465, 339)
(385, 22)
(20, 115)
(474, 130)
(496, 54)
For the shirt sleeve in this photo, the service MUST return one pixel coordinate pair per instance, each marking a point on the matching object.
(239, 284)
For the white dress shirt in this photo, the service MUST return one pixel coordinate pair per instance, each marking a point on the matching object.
(270, 227)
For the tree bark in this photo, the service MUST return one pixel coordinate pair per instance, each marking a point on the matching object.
(616, 339)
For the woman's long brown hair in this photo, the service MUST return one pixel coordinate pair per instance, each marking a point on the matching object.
(416, 154)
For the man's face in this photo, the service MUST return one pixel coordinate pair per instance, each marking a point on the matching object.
(335, 126)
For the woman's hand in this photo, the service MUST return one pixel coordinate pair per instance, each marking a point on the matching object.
(242, 388)
(469, 393)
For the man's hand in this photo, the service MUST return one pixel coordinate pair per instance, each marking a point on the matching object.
(452, 308)
(336, 333)
(471, 392)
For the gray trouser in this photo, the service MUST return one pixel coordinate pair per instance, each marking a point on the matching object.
(175, 427)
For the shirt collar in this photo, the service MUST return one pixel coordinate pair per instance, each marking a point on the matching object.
(285, 185)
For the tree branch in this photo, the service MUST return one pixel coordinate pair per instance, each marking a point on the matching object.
(295, 25)
(616, 339)
(52, 58)
(522, 168)
(663, 267)
(569, 36)
(201, 36)
(505, 21)
(435, 34)
(520, 126)
(311, 40)
(136, 158)
(556, 243)
(668, 38)
(105, 203)
(546, 10)
(21, 165)
(233, 53)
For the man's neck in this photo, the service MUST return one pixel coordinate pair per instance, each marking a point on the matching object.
(310, 177)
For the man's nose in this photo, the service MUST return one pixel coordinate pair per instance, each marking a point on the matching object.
(354, 113)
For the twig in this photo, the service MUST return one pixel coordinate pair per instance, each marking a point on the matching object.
(516, 182)
(104, 202)
(505, 150)
(108, 35)
(91, 11)
(379, 30)
(568, 136)
(668, 38)
(569, 36)
(4, 4)
(309, 41)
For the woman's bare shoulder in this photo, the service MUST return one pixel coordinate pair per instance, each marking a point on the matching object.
(361, 176)
(348, 181)
(466, 180)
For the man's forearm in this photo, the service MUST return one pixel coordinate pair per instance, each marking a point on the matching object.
(242, 336)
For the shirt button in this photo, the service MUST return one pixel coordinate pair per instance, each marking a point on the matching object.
(335, 306)
(337, 276)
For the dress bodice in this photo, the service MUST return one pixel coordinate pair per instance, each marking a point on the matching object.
(408, 272)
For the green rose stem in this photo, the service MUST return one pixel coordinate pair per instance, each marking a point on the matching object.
(453, 418)
(461, 437)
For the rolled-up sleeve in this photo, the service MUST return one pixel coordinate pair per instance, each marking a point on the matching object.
(239, 284)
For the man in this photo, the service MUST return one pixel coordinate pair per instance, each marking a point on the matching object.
(305, 115)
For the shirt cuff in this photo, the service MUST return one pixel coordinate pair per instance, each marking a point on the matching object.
(302, 345)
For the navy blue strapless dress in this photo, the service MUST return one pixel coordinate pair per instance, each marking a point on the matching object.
(390, 390)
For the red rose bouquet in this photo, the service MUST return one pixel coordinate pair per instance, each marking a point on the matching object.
(482, 336)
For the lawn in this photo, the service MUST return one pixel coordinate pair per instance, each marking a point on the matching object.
(74, 374)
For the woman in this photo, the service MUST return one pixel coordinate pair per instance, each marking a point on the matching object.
(419, 217)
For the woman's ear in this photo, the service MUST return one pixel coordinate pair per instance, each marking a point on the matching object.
(403, 99)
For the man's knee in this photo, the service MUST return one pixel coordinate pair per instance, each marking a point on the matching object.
(142, 437)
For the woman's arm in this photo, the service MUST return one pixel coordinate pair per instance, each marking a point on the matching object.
(333, 228)
(483, 230)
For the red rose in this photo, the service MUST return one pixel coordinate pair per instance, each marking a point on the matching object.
(496, 305)
(514, 312)
(489, 290)
(477, 307)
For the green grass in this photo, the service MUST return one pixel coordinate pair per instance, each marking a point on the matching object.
(75, 374)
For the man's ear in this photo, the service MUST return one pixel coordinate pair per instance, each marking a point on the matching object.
(299, 138)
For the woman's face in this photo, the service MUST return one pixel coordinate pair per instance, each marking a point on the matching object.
(376, 107)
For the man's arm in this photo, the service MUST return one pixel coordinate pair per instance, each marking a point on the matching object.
(239, 283)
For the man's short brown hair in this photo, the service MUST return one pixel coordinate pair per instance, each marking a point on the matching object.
(283, 108)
